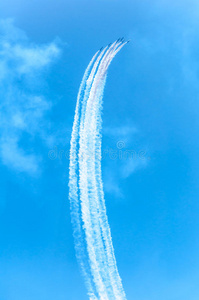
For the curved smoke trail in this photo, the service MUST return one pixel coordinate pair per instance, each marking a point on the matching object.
(92, 235)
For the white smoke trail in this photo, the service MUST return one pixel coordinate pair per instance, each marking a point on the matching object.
(73, 187)
(90, 79)
(115, 278)
(86, 133)
(98, 209)
(73, 182)
(87, 218)
(91, 248)
(89, 214)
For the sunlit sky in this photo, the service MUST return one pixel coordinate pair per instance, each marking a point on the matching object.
(151, 108)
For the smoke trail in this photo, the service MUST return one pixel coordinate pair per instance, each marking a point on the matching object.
(98, 215)
(73, 187)
(90, 220)
(73, 182)
(91, 229)
(96, 209)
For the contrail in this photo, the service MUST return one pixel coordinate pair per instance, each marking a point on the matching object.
(73, 188)
(96, 255)
(94, 200)
(92, 235)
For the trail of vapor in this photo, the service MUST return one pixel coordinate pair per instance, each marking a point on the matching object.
(88, 211)
(98, 207)
(78, 232)
(88, 87)
(73, 188)
(87, 214)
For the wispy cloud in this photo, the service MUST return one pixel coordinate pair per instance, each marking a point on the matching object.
(123, 131)
(23, 106)
(125, 156)
(15, 157)
(111, 184)
(132, 165)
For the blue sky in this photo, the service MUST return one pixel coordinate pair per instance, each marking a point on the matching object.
(150, 109)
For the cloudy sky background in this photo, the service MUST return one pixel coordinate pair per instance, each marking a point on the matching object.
(151, 106)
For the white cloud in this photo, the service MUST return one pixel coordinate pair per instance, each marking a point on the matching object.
(121, 132)
(23, 107)
(37, 57)
(111, 185)
(15, 157)
(130, 166)
(125, 156)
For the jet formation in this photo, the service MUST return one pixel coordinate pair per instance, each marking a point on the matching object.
(118, 40)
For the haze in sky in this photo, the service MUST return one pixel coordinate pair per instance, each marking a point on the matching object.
(149, 144)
